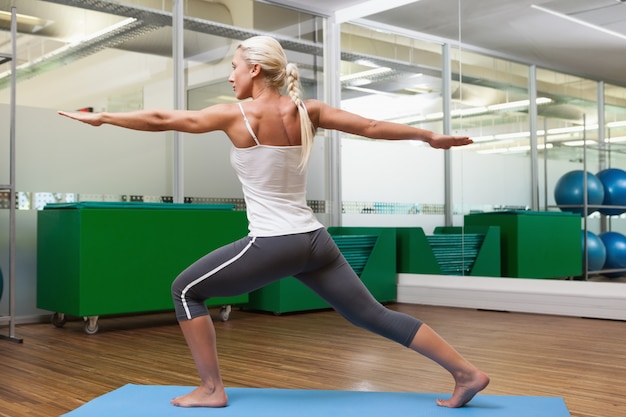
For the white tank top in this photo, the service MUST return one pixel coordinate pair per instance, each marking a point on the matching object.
(274, 188)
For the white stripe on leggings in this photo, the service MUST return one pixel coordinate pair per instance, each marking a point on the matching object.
(208, 274)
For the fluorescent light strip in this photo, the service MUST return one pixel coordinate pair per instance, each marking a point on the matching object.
(104, 31)
(579, 22)
(367, 8)
(520, 103)
(571, 129)
(513, 135)
(513, 149)
(370, 91)
(616, 139)
(23, 18)
(480, 110)
(617, 124)
(579, 142)
(366, 73)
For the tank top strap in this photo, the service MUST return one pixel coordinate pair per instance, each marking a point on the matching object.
(247, 122)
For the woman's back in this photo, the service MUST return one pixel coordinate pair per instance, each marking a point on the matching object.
(274, 186)
(275, 122)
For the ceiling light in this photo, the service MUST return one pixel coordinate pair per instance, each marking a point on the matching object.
(571, 129)
(519, 103)
(616, 139)
(616, 124)
(514, 135)
(366, 63)
(364, 74)
(369, 91)
(578, 21)
(104, 31)
(471, 111)
(580, 142)
(513, 149)
(483, 138)
(24, 19)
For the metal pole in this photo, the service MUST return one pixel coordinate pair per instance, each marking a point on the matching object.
(602, 147)
(13, 199)
(585, 202)
(332, 55)
(545, 164)
(534, 153)
(446, 80)
(12, 194)
(179, 97)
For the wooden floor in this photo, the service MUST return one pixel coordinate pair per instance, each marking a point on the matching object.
(56, 370)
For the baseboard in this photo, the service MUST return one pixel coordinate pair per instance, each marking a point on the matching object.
(37, 318)
(602, 300)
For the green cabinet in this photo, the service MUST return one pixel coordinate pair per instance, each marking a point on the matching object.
(97, 259)
(536, 244)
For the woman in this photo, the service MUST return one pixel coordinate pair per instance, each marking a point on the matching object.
(272, 136)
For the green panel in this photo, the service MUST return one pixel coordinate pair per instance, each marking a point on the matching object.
(418, 255)
(124, 259)
(536, 244)
(58, 275)
(380, 272)
(415, 256)
(488, 261)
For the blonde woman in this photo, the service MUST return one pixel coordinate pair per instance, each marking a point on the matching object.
(272, 136)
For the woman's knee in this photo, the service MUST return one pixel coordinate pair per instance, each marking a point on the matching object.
(177, 288)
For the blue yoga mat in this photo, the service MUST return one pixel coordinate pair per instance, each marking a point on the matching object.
(153, 401)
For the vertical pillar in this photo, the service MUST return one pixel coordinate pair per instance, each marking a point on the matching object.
(332, 92)
(604, 147)
(534, 153)
(179, 97)
(446, 80)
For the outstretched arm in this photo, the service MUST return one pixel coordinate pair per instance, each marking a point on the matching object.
(201, 121)
(328, 117)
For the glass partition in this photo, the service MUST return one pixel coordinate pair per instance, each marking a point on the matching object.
(615, 125)
(386, 76)
(490, 103)
(614, 149)
(569, 127)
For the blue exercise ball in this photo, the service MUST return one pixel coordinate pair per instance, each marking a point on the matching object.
(569, 191)
(596, 251)
(614, 183)
(615, 244)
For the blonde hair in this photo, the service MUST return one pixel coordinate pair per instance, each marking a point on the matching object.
(279, 73)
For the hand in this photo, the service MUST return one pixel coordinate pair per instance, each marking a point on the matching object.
(439, 141)
(92, 119)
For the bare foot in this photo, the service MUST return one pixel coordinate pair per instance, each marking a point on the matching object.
(202, 397)
(466, 387)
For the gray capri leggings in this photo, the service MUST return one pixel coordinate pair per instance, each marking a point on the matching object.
(313, 258)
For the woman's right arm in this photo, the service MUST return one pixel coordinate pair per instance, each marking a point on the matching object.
(217, 117)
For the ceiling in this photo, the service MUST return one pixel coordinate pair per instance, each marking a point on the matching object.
(583, 37)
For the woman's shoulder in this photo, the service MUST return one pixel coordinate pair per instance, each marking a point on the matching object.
(313, 107)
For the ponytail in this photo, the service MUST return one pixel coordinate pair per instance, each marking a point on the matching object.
(307, 132)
